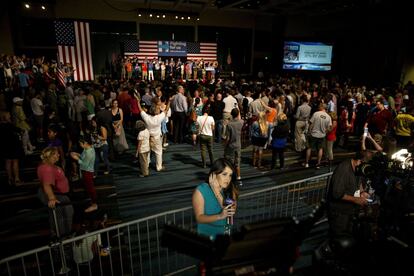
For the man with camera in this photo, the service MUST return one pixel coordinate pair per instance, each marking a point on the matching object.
(345, 196)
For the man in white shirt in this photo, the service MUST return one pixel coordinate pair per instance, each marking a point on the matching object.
(229, 103)
(38, 112)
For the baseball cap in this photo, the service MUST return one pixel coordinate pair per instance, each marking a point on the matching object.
(17, 99)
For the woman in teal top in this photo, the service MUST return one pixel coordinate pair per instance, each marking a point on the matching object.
(209, 206)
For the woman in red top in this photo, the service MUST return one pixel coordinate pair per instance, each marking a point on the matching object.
(54, 192)
(331, 138)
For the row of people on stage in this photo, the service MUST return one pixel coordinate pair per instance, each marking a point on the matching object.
(157, 69)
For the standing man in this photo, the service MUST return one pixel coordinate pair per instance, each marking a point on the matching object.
(345, 196)
(302, 117)
(380, 120)
(179, 109)
(216, 110)
(229, 103)
(320, 125)
(232, 144)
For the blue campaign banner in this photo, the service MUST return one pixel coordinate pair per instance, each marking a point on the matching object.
(172, 48)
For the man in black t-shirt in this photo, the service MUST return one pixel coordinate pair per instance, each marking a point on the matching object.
(345, 195)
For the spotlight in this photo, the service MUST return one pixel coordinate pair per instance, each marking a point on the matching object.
(182, 17)
(198, 19)
(158, 16)
(43, 7)
(188, 18)
(139, 15)
(150, 14)
(27, 6)
(176, 17)
(163, 16)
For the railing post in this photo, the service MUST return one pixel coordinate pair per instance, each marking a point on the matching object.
(64, 269)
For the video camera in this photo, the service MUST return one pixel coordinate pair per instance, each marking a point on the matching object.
(393, 182)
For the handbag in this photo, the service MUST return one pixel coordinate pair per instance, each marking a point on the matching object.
(118, 131)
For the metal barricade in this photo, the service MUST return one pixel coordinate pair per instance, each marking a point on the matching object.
(134, 248)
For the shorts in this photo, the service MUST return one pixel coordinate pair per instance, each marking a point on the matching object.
(315, 143)
(259, 141)
(233, 155)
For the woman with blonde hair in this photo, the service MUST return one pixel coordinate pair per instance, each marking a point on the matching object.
(53, 192)
(259, 135)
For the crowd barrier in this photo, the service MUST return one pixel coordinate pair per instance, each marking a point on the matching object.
(133, 248)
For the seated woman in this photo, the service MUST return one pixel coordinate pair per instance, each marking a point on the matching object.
(210, 204)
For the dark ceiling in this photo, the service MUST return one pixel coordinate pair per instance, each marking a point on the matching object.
(276, 7)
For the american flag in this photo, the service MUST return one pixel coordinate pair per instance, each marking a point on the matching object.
(141, 49)
(74, 47)
(202, 50)
(61, 76)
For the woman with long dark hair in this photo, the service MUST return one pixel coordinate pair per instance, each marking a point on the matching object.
(214, 201)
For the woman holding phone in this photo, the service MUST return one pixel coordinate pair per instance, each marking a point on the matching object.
(213, 209)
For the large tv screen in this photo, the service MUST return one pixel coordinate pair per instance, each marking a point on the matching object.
(314, 56)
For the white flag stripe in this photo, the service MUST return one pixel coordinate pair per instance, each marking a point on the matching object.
(79, 68)
(73, 61)
(83, 48)
(88, 43)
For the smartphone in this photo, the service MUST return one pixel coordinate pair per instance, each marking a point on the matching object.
(365, 132)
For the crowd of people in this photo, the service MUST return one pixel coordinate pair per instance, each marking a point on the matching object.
(80, 124)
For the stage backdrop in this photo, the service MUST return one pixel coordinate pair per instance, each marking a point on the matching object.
(164, 49)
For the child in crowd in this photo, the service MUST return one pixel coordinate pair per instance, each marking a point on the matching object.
(86, 162)
(55, 141)
(143, 148)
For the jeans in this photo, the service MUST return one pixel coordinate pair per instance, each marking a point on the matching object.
(104, 149)
(218, 130)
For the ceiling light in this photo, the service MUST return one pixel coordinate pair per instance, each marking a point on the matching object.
(27, 6)
(43, 7)
(198, 19)
(176, 17)
(163, 16)
(188, 18)
(158, 16)
(139, 15)
(150, 14)
(182, 17)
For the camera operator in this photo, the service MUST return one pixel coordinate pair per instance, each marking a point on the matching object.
(345, 196)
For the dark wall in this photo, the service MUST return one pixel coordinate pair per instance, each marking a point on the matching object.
(370, 42)
(165, 32)
(234, 40)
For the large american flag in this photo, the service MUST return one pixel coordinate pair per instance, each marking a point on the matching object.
(141, 49)
(74, 47)
(149, 50)
(202, 50)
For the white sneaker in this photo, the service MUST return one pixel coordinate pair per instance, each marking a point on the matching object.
(165, 145)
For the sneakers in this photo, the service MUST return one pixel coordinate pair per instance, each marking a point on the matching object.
(106, 172)
(306, 165)
(318, 166)
(91, 208)
(162, 169)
